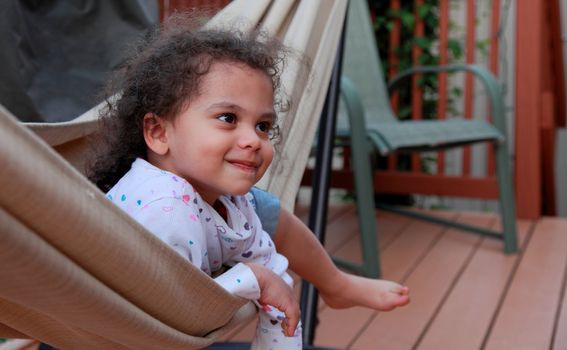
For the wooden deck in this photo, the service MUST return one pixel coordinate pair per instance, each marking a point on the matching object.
(466, 293)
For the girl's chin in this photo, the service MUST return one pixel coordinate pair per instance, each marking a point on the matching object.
(241, 190)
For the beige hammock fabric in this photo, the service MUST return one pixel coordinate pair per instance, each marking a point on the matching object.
(77, 273)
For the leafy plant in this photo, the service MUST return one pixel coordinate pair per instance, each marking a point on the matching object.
(407, 15)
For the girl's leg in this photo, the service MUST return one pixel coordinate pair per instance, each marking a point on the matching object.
(338, 289)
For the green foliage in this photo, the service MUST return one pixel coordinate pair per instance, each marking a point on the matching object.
(428, 12)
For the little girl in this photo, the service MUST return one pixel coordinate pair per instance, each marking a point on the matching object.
(189, 136)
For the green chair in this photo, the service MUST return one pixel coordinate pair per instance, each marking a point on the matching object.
(375, 128)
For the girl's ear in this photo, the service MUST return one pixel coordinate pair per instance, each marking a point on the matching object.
(155, 133)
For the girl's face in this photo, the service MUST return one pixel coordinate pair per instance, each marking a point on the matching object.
(220, 143)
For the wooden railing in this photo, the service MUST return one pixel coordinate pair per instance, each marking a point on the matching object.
(537, 109)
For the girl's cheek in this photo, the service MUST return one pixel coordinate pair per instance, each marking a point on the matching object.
(271, 153)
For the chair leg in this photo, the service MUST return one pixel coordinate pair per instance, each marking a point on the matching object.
(366, 210)
(507, 202)
(364, 190)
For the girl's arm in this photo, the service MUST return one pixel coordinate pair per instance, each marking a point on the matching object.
(308, 259)
(337, 288)
(293, 239)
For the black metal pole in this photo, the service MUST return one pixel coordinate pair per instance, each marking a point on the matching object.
(320, 186)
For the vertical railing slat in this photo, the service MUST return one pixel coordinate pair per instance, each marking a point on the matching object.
(493, 66)
(469, 83)
(416, 93)
(393, 61)
(528, 70)
(443, 59)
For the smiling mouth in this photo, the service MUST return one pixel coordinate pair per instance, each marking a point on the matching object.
(248, 167)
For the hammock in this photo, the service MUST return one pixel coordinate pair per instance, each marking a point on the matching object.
(78, 273)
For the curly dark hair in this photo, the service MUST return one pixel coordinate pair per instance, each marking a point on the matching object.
(161, 77)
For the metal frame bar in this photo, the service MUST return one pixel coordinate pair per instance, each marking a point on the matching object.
(321, 184)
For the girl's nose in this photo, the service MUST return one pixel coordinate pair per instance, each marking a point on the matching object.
(249, 138)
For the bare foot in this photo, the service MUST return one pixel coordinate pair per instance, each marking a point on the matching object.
(376, 294)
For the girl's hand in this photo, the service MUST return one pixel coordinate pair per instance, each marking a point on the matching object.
(274, 291)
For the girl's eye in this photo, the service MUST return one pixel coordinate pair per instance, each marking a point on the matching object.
(264, 127)
(268, 128)
(227, 118)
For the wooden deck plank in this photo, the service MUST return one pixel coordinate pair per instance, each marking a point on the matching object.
(302, 206)
(429, 283)
(391, 228)
(560, 336)
(341, 229)
(526, 319)
(337, 328)
(404, 254)
(463, 321)
(341, 224)
(398, 259)
(344, 226)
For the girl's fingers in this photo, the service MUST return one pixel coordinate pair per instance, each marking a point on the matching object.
(285, 326)
(291, 320)
(288, 328)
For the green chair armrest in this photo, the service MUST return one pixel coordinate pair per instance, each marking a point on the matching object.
(355, 111)
(490, 83)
